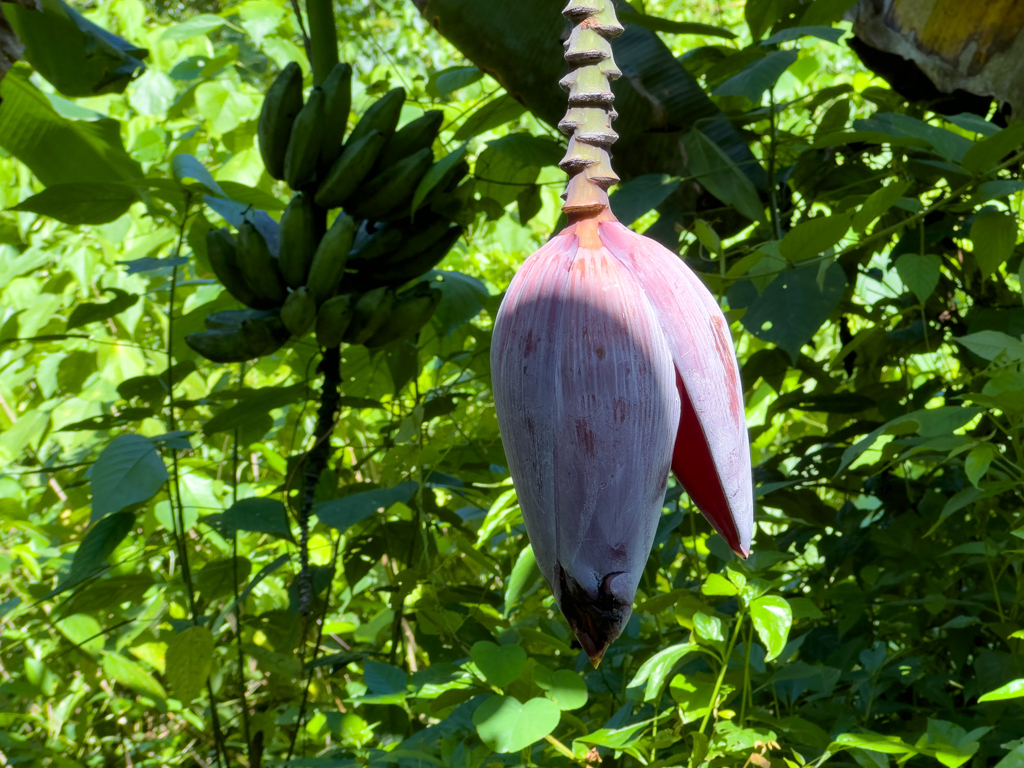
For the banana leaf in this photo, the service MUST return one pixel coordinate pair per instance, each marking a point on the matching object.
(76, 56)
(658, 101)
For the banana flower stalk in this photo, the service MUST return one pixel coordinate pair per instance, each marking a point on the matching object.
(612, 365)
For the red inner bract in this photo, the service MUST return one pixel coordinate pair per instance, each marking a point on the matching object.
(693, 464)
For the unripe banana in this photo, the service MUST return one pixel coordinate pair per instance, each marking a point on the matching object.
(280, 107)
(333, 319)
(349, 170)
(222, 250)
(393, 187)
(413, 308)
(259, 267)
(232, 319)
(305, 141)
(299, 311)
(337, 103)
(377, 245)
(428, 232)
(382, 116)
(414, 136)
(369, 314)
(298, 240)
(264, 335)
(400, 272)
(329, 261)
(221, 346)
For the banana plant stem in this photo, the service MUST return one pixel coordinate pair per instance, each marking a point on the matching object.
(721, 674)
(323, 38)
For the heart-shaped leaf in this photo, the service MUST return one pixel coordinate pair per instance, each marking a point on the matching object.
(505, 725)
(501, 664)
(564, 687)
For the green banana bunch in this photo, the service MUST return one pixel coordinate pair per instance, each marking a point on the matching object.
(349, 170)
(337, 104)
(333, 319)
(392, 188)
(298, 241)
(307, 136)
(259, 267)
(399, 272)
(254, 336)
(414, 136)
(280, 108)
(328, 265)
(369, 314)
(413, 308)
(382, 116)
(222, 250)
(299, 311)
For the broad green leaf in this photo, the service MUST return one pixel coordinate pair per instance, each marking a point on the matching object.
(991, 150)
(878, 202)
(341, 514)
(82, 630)
(132, 674)
(128, 471)
(813, 237)
(826, 11)
(877, 742)
(951, 146)
(262, 515)
(758, 76)
(529, 150)
(384, 679)
(77, 203)
(564, 687)
(503, 177)
(655, 671)
(994, 235)
(634, 198)
(721, 176)
(1014, 759)
(73, 54)
(254, 404)
(188, 661)
(500, 664)
(194, 26)
(761, 15)
(100, 540)
(693, 696)
(989, 345)
(658, 24)
(220, 578)
(524, 573)
(491, 115)
(717, 584)
(186, 166)
(792, 307)
(772, 619)
(829, 34)
(55, 149)
(919, 273)
(1012, 690)
(90, 312)
(447, 81)
(978, 461)
(506, 726)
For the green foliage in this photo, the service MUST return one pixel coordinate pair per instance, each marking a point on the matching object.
(149, 590)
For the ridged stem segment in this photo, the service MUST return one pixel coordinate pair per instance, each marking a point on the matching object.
(588, 123)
